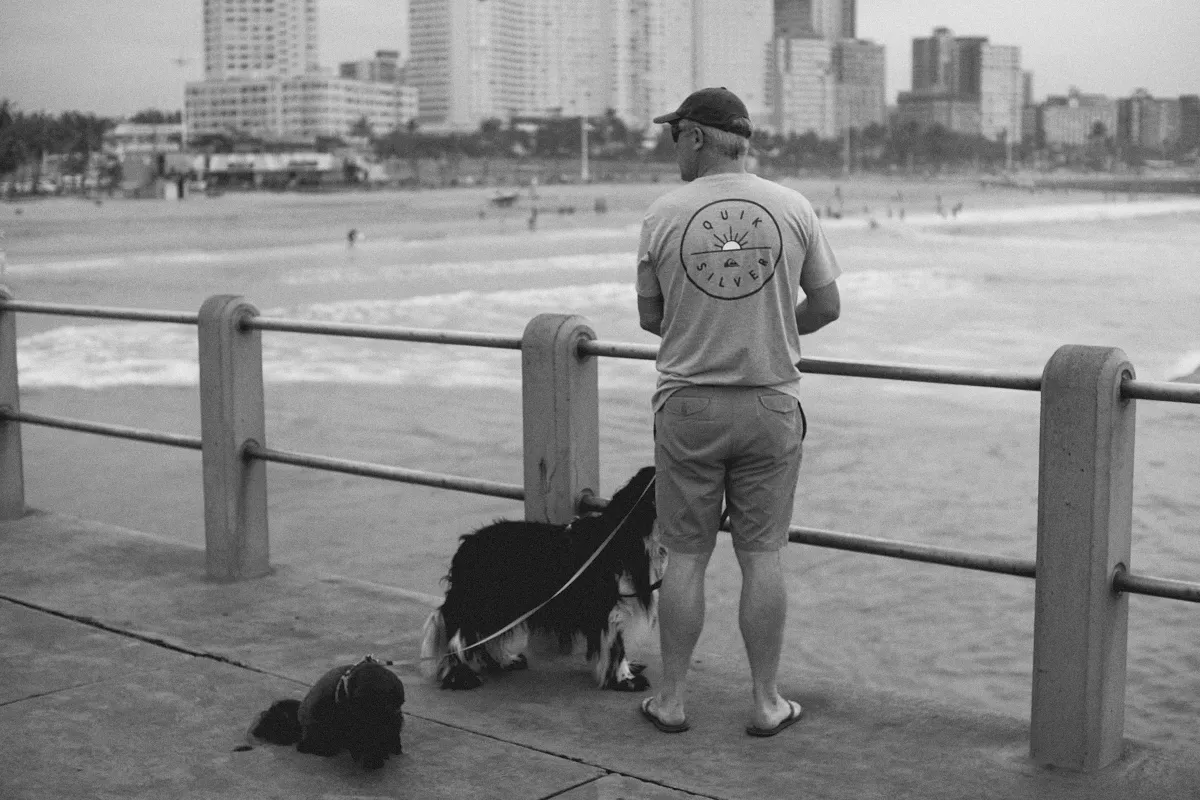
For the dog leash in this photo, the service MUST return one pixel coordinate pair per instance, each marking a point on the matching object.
(544, 603)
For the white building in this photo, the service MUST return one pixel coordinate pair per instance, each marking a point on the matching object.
(302, 106)
(1001, 87)
(139, 137)
(804, 96)
(259, 38)
(263, 78)
(1070, 120)
(475, 59)
(860, 69)
(732, 48)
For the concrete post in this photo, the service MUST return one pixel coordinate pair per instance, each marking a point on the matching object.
(1085, 514)
(231, 414)
(12, 470)
(561, 417)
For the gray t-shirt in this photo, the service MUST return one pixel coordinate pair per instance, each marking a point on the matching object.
(729, 254)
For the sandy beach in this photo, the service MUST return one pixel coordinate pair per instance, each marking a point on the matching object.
(1002, 285)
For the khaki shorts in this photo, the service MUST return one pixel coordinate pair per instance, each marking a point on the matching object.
(737, 444)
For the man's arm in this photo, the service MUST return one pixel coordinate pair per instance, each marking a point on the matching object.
(650, 314)
(818, 308)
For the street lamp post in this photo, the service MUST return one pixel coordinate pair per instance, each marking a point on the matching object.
(583, 147)
(182, 63)
(583, 135)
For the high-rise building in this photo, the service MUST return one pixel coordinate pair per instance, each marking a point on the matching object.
(935, 64)
(804, 90)
(654, 58)
(263, 77)
(477, 59)
(822, 79)
(259, 38)
(823, 19)
(794, 19)
(733, 52)
(965, 84)
(1000, 90)
(860, 70)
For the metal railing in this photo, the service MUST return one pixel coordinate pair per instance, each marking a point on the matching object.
(1083, 524)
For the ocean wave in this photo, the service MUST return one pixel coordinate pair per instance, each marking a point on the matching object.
(106, 355)
(343, 275)
(109, 355)
(1187, 366)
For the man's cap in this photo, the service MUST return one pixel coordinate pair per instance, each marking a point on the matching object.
(716, 107)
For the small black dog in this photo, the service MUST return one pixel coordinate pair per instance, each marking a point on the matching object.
(355, 707)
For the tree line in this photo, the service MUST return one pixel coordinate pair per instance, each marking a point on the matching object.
(26, 137)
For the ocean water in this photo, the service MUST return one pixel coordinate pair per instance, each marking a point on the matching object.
(953, 466)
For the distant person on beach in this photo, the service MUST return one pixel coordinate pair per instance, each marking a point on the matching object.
(732, 270)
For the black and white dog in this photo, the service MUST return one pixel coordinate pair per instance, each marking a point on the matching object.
(354, 707)
(503, 570)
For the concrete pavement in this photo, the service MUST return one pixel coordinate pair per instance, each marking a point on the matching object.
(124, 673)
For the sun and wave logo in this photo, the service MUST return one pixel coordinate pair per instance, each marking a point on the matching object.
(730, 248)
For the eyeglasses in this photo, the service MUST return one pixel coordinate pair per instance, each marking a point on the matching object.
(675, 130)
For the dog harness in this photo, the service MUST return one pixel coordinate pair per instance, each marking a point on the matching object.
(343, 684)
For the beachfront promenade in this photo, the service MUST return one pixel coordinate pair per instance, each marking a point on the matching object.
(127, 673)
(138, 663)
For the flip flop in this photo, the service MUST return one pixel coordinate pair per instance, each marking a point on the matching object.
(665, 727)
(795, 712)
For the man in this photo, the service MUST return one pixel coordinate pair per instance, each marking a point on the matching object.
(721, 266)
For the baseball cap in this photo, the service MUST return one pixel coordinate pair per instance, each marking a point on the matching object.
(716, 107)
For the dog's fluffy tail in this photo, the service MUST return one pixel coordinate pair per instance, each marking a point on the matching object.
(279, 724)
(433, 644)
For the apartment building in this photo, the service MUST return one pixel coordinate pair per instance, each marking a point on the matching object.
(302, 106)
(259, 38)
(965, 84)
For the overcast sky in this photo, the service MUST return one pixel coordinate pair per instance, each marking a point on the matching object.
(115, 57)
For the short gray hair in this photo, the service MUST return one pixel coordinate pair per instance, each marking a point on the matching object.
(730, 145)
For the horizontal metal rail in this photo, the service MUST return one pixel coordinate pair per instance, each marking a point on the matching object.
(595, 347)
(911, 551)
(1135, 389)
(995, 379)
(399, 474)
(101, 312)
(103, 429)
(816, 537)
(1156, 587)
(389, 332)
(1168, 391)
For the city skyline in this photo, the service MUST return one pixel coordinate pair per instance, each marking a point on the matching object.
(49, 67)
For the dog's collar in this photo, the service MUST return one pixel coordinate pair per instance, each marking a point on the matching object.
(343, 684)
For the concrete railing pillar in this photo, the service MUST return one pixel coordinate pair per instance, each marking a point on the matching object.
(12, 470)
(231, 415)
(1085, 502)
(561, 417)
